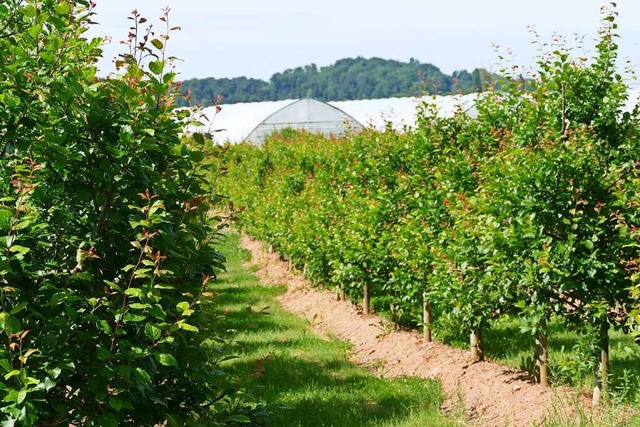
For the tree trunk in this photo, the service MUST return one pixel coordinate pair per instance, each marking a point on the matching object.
(601, 389)
(426, 318)
(394, 315)
(541, 359)
(366, 300)
(477, 348)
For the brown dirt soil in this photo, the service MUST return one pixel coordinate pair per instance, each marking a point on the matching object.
(487, 393)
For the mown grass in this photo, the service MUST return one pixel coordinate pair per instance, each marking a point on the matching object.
(310, 380)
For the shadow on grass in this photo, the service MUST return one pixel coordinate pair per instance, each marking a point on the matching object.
(235, 296)
(311, 378)
(335, 393)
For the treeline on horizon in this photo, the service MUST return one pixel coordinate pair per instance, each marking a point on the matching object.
(347, 79)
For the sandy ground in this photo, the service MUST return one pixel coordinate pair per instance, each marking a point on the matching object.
(487, 393)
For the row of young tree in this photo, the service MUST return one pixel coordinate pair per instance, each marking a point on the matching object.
(529, 210)
(107, 250)
(347, 79)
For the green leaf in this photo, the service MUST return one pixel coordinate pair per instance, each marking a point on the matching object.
(196, 156)
(124, 371)
(29, 11)
(116, 403)
(157, 44)
(156, 67)
(17, 248)
(18, 308)
(139, 306)
(142, 376)
(104, 326)
(142, 272)
(198, 137)
(6, 215)
(167, 360)
(54, 372)
(113, 285)
(13, 373)
(242, 419)
(182, 306)
(187, 327)
(49, 384)
(134, 292)
(133, 318)
(152, 331)
(63, 8)
(12, 325)
(168, 78)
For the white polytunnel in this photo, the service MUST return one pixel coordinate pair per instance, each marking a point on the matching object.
(254, 121)
(309, 114)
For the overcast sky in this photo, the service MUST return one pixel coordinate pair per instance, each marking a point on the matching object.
(257, 38)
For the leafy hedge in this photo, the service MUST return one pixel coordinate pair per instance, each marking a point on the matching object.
(106, 244)
(529, 210)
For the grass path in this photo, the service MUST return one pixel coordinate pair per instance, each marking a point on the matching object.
(309, 378)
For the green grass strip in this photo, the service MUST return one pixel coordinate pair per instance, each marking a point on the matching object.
(308, 378)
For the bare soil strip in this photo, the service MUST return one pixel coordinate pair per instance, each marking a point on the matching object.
(487, 393)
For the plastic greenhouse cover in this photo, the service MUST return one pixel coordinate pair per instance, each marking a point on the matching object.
(235, 122)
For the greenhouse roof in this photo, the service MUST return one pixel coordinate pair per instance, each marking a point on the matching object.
(254, 121)
(308, 114)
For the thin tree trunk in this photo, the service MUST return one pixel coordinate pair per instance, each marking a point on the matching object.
(541, 359)
(601, 389)
(476, 346)
(426, 317)
(394, 315)
(366, 299)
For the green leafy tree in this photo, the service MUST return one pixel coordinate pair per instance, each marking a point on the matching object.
(108, 249)
(347, 79)
(528, 210)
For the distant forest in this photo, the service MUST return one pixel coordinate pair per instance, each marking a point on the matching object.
(347, 79)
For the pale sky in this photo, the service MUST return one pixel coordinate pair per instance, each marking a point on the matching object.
(257, 38)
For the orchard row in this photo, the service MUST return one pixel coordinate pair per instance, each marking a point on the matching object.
(527, 210)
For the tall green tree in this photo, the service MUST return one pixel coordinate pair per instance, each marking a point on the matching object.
(106, 248)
